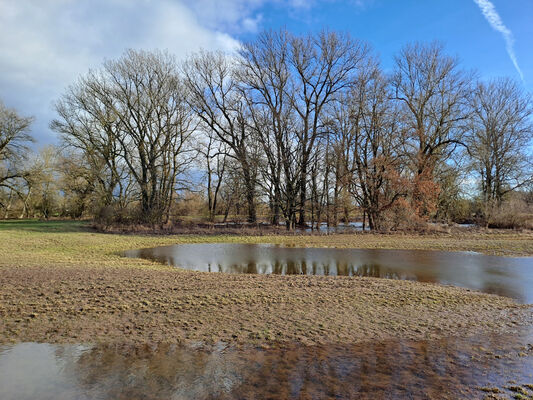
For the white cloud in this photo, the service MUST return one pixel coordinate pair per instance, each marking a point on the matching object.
(252, 24)
(234, 16)
(46, 44)
(495, 21)
(238, 16)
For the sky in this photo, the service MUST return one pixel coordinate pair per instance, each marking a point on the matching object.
(45, 45)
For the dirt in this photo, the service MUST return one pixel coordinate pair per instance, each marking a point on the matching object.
(62, 283)
(73, 305)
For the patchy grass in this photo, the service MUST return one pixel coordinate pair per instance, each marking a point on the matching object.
(62, 282)
(63, 242)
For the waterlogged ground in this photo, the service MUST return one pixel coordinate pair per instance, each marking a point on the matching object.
(63, 283)
(452, 368)
(165, 305)
(283, 336)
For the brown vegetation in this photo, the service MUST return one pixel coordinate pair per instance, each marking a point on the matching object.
(296, 129)
(72, 304)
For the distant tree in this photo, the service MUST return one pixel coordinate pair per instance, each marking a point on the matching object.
(14, 141)
(501, 130)
(90, 130)
(220, 105)
(265, 78)
(290, 81)
(324, 66)
(292, 128)
(79, 184)
(449, 176)
(214, 158)
(133, 111)
(233, 197)
(433, 93)
(368, 133)
(500, 133)
(44, 183)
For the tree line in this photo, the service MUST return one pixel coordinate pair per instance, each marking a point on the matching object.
(294, 129)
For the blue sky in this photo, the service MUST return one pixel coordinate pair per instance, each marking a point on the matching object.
(389, 24)
(46, 44)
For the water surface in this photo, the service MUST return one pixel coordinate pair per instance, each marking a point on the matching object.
(506, 276)
(448, 368)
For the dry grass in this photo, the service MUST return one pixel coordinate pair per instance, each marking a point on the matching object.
(60, 282)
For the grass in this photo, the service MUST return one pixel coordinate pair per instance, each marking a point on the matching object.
(62, 282)
(30, 242)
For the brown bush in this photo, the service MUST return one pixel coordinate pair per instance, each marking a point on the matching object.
(514, 213)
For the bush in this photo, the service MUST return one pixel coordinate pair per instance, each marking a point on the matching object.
(506, 219)
(514, 213)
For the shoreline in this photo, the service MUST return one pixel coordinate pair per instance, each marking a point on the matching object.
(71, 285)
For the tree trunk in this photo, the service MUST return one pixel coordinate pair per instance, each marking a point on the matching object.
(303, 193)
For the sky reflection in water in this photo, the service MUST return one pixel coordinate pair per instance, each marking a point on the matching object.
(511, 277)
(392, 369)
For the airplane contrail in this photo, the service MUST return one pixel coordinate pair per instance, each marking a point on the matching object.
(495, 21)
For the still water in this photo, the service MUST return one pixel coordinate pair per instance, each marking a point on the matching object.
(506, 276)
(450, 368)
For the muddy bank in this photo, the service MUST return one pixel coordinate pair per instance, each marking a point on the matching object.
(487, 241)
(116, 304)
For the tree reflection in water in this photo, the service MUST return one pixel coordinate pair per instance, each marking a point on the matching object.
(511, 277)
(447, 368)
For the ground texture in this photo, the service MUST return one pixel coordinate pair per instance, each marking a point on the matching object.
(60, 282)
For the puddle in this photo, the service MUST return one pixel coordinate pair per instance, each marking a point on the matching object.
(506, 276)
(448, 368)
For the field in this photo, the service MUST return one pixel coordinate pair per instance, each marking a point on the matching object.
(62, 282)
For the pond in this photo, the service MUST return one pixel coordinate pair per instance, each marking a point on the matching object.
(447, 368)
(506, 276)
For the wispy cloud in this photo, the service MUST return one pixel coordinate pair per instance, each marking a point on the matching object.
(495, 21)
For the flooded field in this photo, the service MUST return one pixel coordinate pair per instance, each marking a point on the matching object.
(449, 368)
(506, 276)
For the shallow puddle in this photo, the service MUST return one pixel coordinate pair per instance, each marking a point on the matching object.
(450, 368)
(506, 276)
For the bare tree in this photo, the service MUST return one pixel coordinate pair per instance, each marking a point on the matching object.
(89, 126)
(369, 142)
(214, 159)
(134, 108)
(44, 182)
(14, 140)
(324, 65)
(221, 107)
(432, 91)
(290, 81)
(501, 129)
(306, 125)
(265, 78)
(79, 182)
